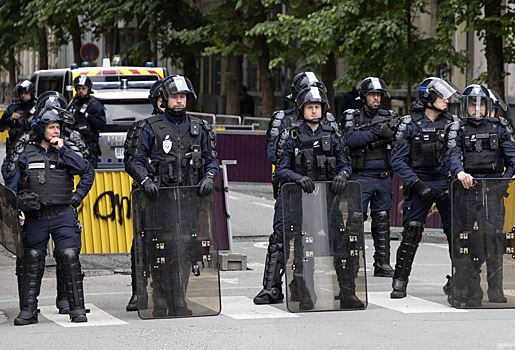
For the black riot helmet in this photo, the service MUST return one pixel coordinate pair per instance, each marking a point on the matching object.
(25, 86)
(53, 100)
(155, 92)
(47, 116)
(434, 87)
(302, 81)
(82, 80)
(372, 84)
(476, 102)
(312, 94)
(497, 103)
(176, 84)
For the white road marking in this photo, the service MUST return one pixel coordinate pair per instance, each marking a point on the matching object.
(263, 205)
(256, 266)
(242, 308)
(232, 197)
(261, 245)
(409, 304)
(96, 317)
(229, 280)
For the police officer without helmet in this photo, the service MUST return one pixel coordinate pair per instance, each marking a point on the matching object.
(369, 133)
(42, 177)
(419, 159)
(90, 116)
(484, 148)
(159, 155)
(280, 121)
(18, 115)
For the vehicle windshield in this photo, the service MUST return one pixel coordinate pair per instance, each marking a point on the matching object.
(120, 114)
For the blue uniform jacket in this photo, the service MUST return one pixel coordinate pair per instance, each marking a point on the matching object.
(96, 113)
(275, 128)
(148, 149)
(284, 170)
(401, 155)
(508, 151)
(75, 163)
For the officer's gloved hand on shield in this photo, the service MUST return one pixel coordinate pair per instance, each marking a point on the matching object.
(425, 192)
(306, 183)
(206, 186)
(150, 189)
(75, 200)
(339, 182)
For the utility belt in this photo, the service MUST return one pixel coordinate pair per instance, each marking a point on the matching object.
(379, 175)
(53, 210)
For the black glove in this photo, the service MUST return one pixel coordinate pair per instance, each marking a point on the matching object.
(382, 130)
(425, 192)
(306, 184)
(339, 182)
(207, 185)
(151, 190)
(75, 200)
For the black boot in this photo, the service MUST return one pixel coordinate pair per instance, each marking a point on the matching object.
(19, 278)
(69, 259)
(346, 272)
(475, 296)
(381, 236)
(33, 269)
(411, 237)
(133, 301)
(494, 273)
(274, 267)
(61, 301)
(305, 297)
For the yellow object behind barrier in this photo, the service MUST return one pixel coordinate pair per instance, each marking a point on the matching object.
(106, 214)
(509, 209)
(5, 133)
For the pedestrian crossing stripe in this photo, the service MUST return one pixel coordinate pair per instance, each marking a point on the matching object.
(243, 308)
(409, 304)
(97, 317)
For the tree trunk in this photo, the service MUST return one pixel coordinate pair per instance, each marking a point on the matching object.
(328, 77)
(265, 77)
(494, 47)
(233, 85)
(11, 67)
(77, 40)
(42, 48)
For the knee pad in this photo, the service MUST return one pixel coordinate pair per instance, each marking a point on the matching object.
(413, 232)
(69, 258)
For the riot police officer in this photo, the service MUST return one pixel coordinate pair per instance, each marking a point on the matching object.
(484, 149)
(315, 152)
(369, 134)
(18, 115)
(280, 121)
(90, 116)
(156, 98)
(43, 180)
(419, 159)
(172, 149)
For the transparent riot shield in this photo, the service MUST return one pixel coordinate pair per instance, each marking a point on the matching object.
(324, 248)
(10, 233)
(483, 261)
(176, 254)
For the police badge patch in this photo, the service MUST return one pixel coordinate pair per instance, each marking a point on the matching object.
(167, 144)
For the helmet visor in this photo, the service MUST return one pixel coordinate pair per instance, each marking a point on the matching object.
(445, 90)
(477, 107)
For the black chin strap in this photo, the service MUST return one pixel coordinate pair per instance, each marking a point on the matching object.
(314, 121)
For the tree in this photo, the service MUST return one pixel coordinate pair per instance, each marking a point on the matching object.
(494, 22)
(15, 37)
(226, 33)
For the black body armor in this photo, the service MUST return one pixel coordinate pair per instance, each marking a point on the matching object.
(481, 151)
(428, 144)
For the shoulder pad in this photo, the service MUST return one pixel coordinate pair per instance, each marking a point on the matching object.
(351, 111)
(279, 115)
(503, 121)
(207, 126)
(416, 117)
(154, 119)
(330, 117)
(385, 112)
